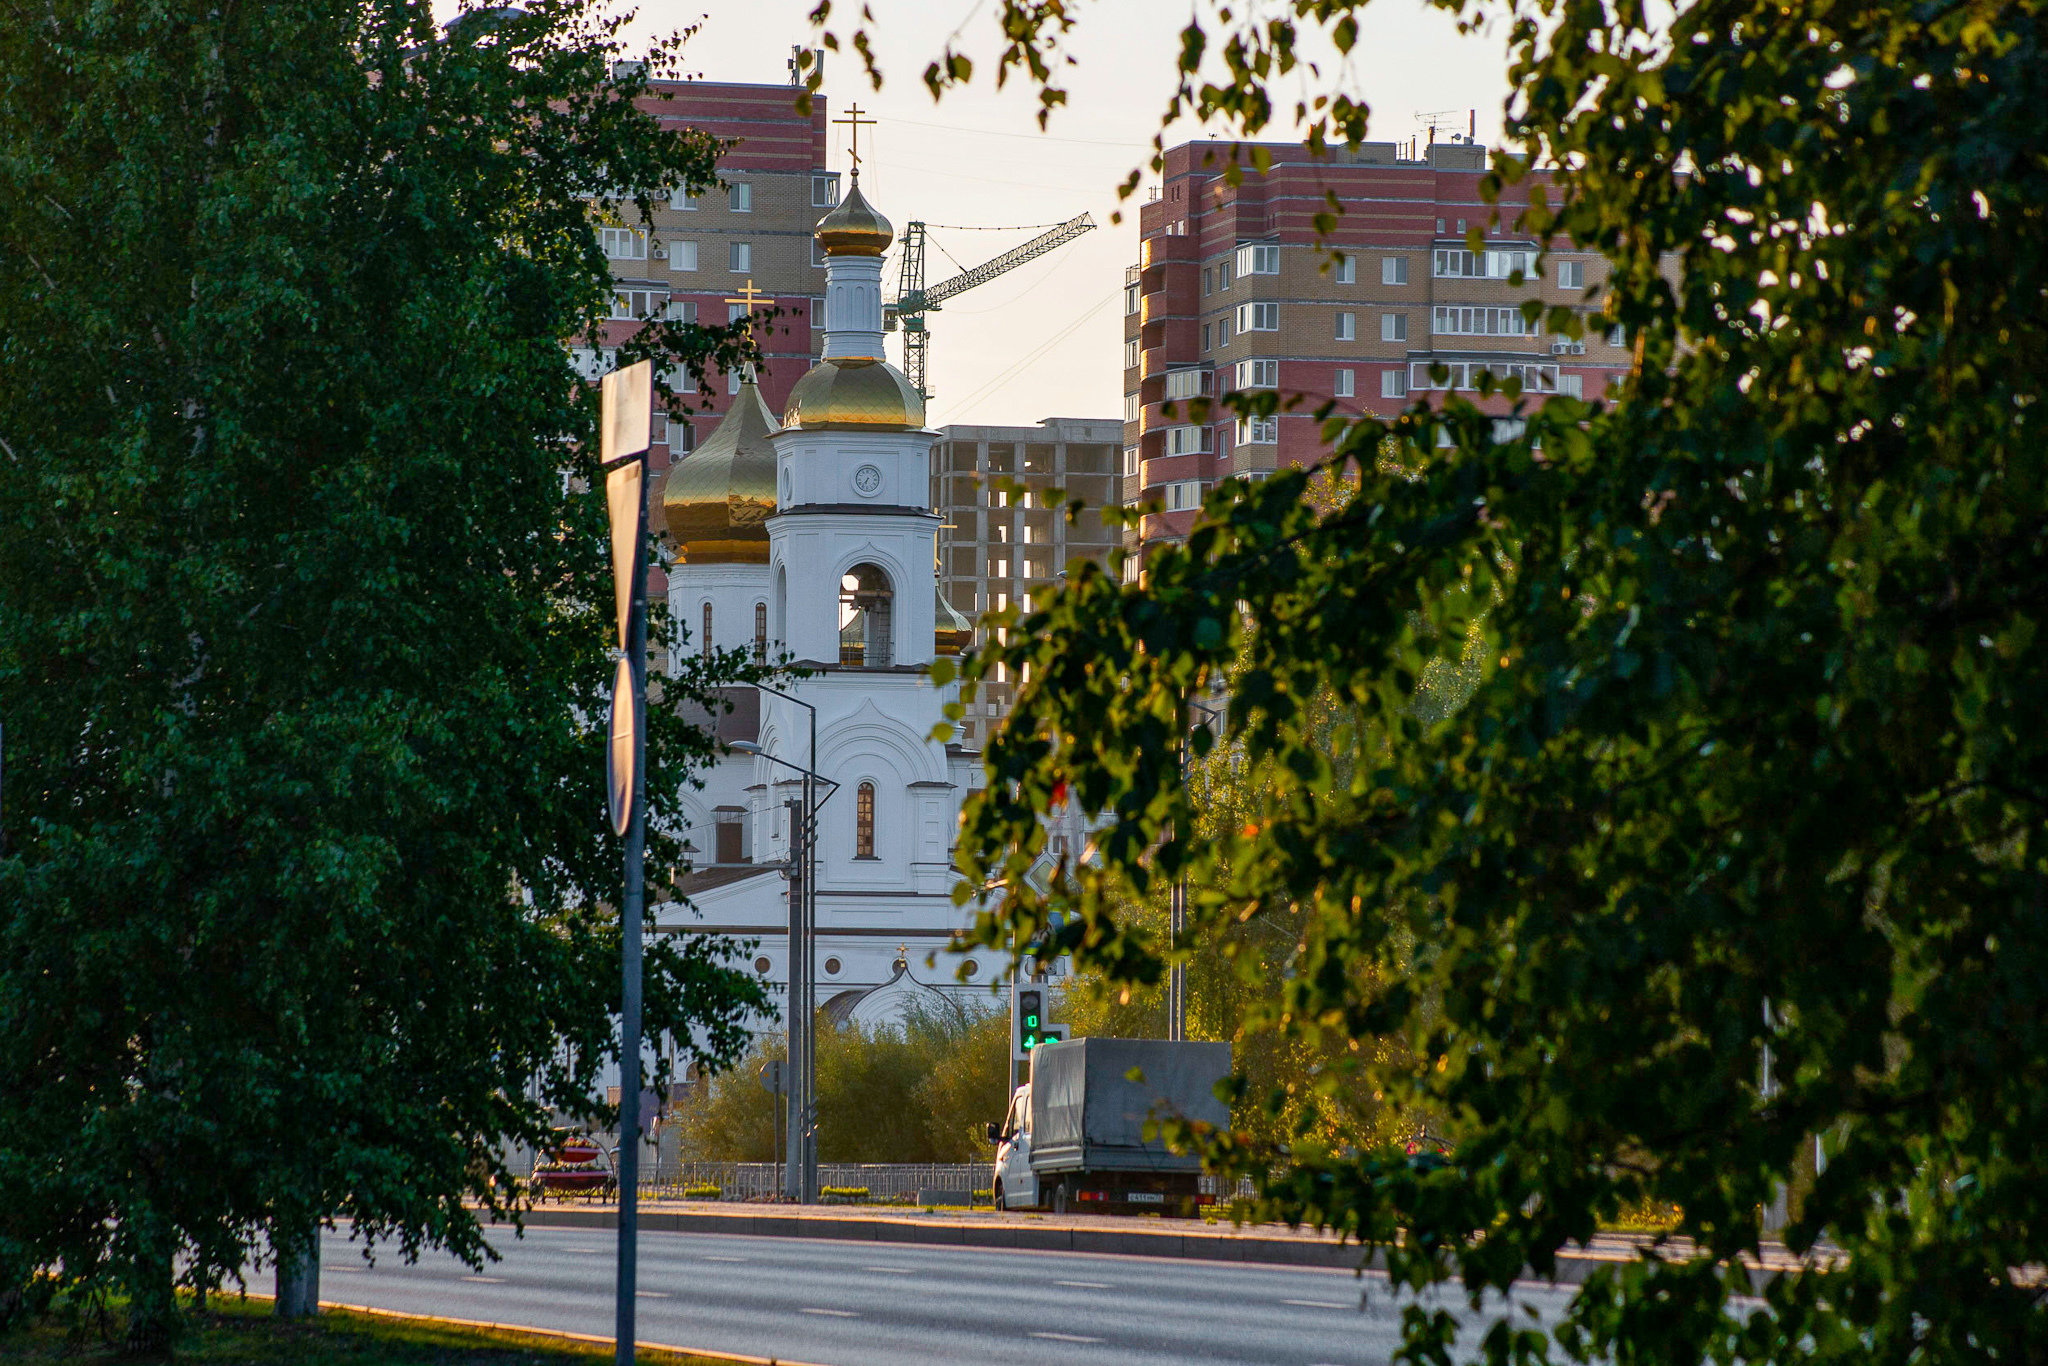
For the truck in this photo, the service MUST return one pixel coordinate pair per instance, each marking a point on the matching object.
(1074, 1137)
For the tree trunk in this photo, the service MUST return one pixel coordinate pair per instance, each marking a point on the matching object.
(298, 1273)
(152, 1295)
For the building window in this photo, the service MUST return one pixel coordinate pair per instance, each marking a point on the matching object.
(682, 256)
(760, 631)
(1131, 354)
(1132, 408)
(680, 378)
(1258, 260)
(1457, 320)
(1258, 374)
(681, 311)
(1393, 384)
(1223, 331)
(1205, 336)
(867, 618)
(1347, 270)
(732, 381)
(740, 257)
(1130, 299)
(1617, 335)
(1571, 274)
(1186, 383)
(683, 199)
(1258, 431)
(704, 641)
(1187, 440)
(1224, 274)
(1535, 379)
(1454, 263)
(1394, 270)
(1343, 388)
(625, 244)
(1439, 227)
(1461, 226)
(1130, 461)
(1258, 317)
(1347, 327)
(1572, 386)
(636, 305)
(743, 198)
(1393, 327)
(734, 312)
(682, 438)
(864, 821)
(1208, 280)
(824, 191)
(1183, 494)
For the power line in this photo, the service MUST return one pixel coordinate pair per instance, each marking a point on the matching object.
(996, 385)
(1020, 227)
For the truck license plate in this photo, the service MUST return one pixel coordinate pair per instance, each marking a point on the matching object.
(1146, 1198)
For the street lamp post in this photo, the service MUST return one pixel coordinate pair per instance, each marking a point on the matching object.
(1177, 914)
(802, 866)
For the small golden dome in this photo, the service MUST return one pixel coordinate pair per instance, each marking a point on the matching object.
(717, 500)
(854, 391)
(953, 632)
(854, 228)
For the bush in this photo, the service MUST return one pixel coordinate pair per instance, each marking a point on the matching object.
(703, 1192)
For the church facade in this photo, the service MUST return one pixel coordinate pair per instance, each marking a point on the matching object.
(808, 536)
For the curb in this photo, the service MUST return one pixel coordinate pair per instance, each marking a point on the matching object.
(1574, 1266)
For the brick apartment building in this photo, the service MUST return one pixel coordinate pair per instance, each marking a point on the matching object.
(1234, 291)
(994, 548)
(702, 251)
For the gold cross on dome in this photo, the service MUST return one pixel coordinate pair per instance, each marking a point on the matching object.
(854, 121)
(749, 296)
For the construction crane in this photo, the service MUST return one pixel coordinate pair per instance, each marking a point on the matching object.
(913, 300)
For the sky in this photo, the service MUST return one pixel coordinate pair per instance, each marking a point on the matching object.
(1046, 339)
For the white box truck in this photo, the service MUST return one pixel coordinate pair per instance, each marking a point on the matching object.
(1074, 1138)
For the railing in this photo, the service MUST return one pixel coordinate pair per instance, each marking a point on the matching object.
(885, 1182)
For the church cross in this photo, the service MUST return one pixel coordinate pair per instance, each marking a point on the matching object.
(854, 121)
(749, 296)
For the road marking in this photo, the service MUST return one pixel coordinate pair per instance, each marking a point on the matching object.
(486, 1280)
(652, 1294)
(726, 1259)
(1064, 1337)
(329, 1266)
(585, 1251)
(892, 1270)
(1319, 1304)
(1087, 1285)
(831, 1313)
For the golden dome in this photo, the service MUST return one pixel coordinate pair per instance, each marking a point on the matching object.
(854, 228)
(953, 632)
(854, 391)
(717, 500)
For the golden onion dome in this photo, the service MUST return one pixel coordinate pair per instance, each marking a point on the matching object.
(854, 228)
(953, 632)
(855, 391)
(717, 500)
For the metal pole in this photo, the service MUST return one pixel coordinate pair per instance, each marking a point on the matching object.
(793, 1080)
(631, 914)
(811, 968)
(1176, 927)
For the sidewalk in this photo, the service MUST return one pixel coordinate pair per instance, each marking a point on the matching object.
(1112, 1235)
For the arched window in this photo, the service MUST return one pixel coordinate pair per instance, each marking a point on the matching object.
(705, 640)
(867, 618)
(864, 821)
(760, 631)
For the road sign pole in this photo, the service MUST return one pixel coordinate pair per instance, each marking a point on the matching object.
(626, 432)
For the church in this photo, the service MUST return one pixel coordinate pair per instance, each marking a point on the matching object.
(809, 537)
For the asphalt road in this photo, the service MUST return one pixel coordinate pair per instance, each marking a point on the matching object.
(869, 1304)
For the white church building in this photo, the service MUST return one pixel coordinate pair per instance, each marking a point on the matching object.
(811, 538)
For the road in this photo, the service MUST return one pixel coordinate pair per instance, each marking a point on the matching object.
(878, 1304)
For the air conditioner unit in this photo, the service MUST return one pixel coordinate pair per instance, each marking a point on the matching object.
(1568, 348)
(658, 252)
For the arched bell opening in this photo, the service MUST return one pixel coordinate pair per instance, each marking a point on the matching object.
(867, 618)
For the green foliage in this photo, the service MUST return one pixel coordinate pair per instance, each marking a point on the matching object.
(922, 1091)
(1748, 775)
(302, 629)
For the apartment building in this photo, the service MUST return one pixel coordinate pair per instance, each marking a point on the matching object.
(995, 546)
(701, 251)
(1235, 290)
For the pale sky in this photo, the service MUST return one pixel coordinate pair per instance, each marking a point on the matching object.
(1046, 340)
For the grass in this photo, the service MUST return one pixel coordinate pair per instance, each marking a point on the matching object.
(242, 1332)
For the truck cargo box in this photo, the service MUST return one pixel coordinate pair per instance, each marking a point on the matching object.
(1086, 1114)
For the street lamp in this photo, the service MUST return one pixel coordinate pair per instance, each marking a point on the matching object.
(803, 920)
(1177, 916)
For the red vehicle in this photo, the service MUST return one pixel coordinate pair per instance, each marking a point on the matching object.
(577, 1165)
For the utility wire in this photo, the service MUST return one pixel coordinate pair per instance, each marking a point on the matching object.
(995, 385)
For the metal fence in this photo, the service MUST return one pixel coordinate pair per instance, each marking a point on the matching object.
(883, 1181)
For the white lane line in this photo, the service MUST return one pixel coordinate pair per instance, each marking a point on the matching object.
(892, 1270)
(329, 1266)
(1063, 1337)
(726, 1259)
(652, 1294)
(1319, 1304)
(1087, 1285)
(584, 1251)
(486, 1280)
(831, 1313)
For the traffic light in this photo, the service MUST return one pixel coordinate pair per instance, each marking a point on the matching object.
(1030, 1021)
